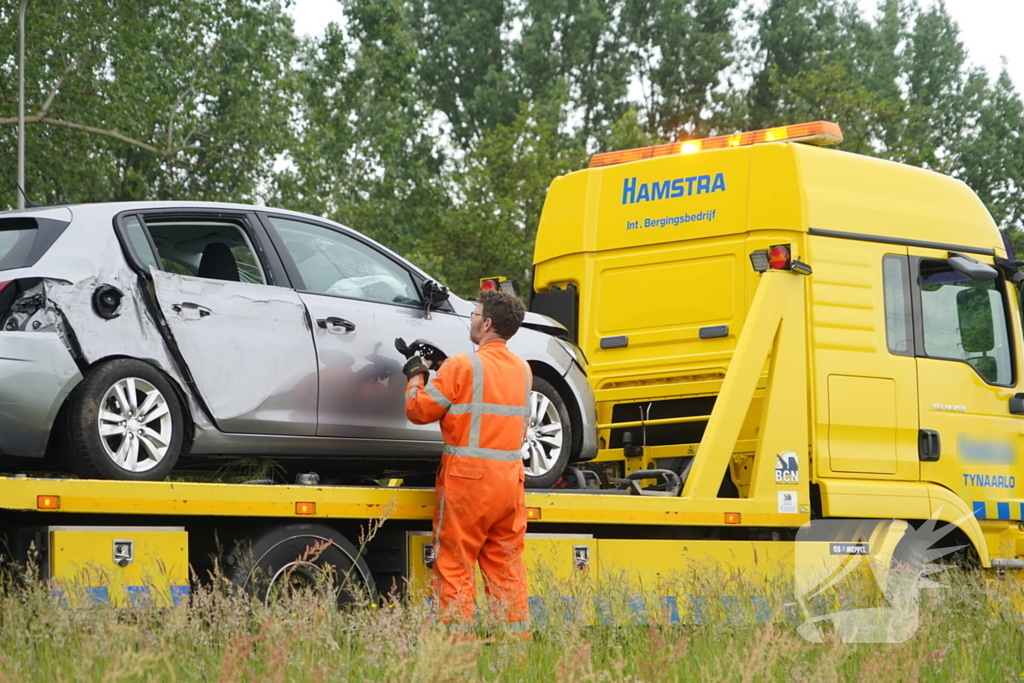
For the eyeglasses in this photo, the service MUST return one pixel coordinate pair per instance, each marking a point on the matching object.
(475, 313)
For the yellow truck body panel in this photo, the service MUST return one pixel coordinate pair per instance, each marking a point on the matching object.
(886, 372)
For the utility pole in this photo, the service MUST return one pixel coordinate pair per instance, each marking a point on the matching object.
(21, 104)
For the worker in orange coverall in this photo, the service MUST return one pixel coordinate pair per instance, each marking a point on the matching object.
(480, 515)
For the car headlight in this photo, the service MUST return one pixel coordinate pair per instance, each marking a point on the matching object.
(576, 353)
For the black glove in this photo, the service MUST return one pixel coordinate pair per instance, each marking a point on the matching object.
(415, 366)
(423, 348)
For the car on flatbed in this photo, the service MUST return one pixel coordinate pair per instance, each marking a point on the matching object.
(132, 334)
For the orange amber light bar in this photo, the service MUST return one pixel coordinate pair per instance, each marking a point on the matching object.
(815, 133)
(532, 513)
(305, 508)
(732, 518)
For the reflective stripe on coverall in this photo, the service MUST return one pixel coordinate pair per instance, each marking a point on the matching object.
(480, 515)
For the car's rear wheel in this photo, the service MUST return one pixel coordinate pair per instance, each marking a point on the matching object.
(124, 422)
(548, 442)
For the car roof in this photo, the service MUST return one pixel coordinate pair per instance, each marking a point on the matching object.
(111, 209)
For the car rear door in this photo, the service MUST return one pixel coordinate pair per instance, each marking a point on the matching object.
(245, 342)
(360, 299)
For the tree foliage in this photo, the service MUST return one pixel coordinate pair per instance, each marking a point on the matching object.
(130, 100)
(436, 126)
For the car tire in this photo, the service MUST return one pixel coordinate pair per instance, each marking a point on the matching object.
(300, 556)
(548, 442)
(124, 423)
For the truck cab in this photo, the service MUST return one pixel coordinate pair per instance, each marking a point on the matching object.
(889, 383)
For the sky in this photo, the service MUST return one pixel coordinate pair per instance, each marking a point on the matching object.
(989, 29)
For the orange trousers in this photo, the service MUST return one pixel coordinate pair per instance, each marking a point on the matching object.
(480, 517)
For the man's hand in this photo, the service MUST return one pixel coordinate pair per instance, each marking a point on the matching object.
(415, 366)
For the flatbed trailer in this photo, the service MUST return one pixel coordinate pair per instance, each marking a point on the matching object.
(214, 516)
(125, 541)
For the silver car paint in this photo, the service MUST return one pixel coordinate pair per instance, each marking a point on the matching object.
(89, 254)
(362, 388)
(252, 339)
(38, 373)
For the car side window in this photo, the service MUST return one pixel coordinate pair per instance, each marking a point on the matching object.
(965, 320)
(212, 249)
(330, 262)
(136, 235)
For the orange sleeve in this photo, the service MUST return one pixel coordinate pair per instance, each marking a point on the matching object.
(429, 401)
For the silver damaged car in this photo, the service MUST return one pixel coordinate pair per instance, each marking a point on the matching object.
(132, 334)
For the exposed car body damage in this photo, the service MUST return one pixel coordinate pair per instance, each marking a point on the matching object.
(133, 333)
(221, 328)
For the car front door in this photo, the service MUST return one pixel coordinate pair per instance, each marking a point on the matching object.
(245, 342)
(360, 299)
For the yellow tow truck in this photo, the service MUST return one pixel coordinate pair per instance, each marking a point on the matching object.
(780, 337)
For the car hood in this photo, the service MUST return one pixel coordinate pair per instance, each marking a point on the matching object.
(536, 321)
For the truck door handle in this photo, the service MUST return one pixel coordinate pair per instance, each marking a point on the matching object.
(929, 446)
(191, 311)
(333, 322)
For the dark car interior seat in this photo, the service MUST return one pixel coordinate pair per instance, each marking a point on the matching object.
(218, 263)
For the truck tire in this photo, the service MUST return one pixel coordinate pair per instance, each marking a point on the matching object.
(300, 556)
(548, 442)
(124, 423)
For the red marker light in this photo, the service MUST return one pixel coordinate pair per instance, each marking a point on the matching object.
(488, 285)
(778, 258)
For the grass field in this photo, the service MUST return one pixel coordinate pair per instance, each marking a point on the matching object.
(967, 632)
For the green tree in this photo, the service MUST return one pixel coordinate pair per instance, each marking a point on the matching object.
(129, 100)
(366, 156)
(681, 49)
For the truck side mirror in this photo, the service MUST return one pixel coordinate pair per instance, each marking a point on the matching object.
(972, 269)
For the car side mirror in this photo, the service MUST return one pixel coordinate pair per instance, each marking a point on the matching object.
(434, 293)
(1017, 404)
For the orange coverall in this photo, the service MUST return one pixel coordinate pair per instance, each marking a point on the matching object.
(480, 515)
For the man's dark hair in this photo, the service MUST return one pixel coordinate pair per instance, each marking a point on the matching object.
(505, 310)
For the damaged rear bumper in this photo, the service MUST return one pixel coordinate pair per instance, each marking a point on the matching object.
(36, 374)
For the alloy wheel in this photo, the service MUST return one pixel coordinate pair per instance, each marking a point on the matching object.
(135, 424)
(543, 443)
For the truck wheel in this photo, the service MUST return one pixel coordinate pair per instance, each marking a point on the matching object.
(124, 422)
(299, 557)
(549, 437)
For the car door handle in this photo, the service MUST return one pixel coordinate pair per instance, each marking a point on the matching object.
(191, 311)
(333, 322)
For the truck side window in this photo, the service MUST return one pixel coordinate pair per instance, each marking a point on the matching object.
(898, 315)
(965, 320)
